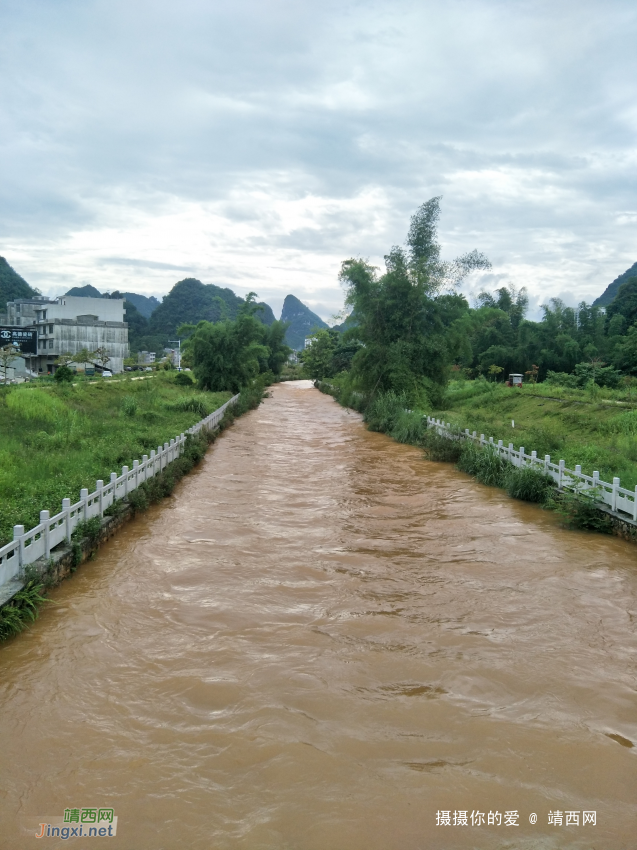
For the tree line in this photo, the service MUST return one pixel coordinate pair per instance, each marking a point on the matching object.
(409, 330)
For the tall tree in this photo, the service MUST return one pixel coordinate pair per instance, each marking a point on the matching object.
(400, 318)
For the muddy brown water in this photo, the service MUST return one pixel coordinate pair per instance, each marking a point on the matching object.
(319, 643)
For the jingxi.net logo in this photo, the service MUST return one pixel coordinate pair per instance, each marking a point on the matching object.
(81, 823)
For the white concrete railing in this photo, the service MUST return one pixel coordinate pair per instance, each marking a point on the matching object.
(611, 495)
(27, 547)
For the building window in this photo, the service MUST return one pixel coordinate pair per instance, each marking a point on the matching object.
(50, 329)
(50, 343)
(43, 315)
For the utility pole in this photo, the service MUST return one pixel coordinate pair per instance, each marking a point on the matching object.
(178, 341)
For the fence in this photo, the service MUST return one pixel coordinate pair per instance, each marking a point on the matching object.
(617, 498)
(27, 547)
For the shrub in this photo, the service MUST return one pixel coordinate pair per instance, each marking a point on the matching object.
(21, 610)
(441, 448)
(183, 379)
(409, 427)
(484, 463)
(384, 410)
(529, 484)
(580, 510)
(193, 404)
(129, 406)
(88, 529)
(63, 375)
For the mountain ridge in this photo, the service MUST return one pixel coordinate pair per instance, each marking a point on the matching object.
(302, 322)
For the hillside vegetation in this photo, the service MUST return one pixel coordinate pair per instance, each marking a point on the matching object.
(12, 286)
(56, 440)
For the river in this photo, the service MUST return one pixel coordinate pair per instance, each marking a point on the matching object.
(324, 642)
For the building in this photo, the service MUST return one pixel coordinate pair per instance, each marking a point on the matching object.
(69, 324)
(145, 358)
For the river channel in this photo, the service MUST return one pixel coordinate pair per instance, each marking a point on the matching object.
(324, 642)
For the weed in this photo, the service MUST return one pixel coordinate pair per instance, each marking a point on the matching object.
(529, 484)
(484, 463)
(16, 615)
(580, 510)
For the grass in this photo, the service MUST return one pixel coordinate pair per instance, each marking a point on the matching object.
(564, 423)
(54, 440)
(16, 615)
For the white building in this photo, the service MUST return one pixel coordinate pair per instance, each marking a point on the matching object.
(70, 323)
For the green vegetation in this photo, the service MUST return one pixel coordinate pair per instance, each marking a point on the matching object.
(403, 317)
(231, 354)
(16, 615)
(12, 286)
(595, 430)
(54, 440)
(301, 322)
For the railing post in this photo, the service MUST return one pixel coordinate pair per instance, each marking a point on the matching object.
(578, 470)
(114, 483)
(145, 465)
(481, 439)
(547, 460)
(615, 489)
(635, 505)
(533, 458)
(84, 500)
(66, 507)
(100, 495)
(560, 474)
(125, 474)
(44, 520)
(596, 478)
(136, 471)
(18, 534)
(522, 463)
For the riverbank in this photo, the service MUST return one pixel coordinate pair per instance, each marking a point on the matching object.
(21, 598)
(57, 440)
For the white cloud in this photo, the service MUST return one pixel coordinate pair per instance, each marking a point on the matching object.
(257, 145)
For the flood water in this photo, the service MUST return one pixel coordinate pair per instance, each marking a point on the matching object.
(320, 642)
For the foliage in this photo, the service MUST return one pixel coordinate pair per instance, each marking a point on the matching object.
(400, 318)
(529, 484)
(579, 510)
(21, 610)
(63, 375)
(301, 322)
(229, 355)
(183, 379)
(484, 463)
(88, 529)
(12, 286)
(129, 405)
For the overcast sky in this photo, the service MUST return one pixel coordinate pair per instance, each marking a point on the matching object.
(256, 144)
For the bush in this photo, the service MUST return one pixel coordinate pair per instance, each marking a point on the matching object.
(183, 379)
(88, 529)
(193, 404)
(579, 510)
(129, 406)
(63, 375)
(409, 427)
(529, 484)
(484, 463)
(16, 615)
(384, 411)
(441, 448)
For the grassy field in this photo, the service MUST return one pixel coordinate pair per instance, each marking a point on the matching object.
(597, 430)
(54, 440)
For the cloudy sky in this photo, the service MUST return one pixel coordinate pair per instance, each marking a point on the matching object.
(256, 144)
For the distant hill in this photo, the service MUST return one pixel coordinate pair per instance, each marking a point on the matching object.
(302, 322)
(143, 303)
(87, 291)
(191, 301)
(612, 289)
(12, 286)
